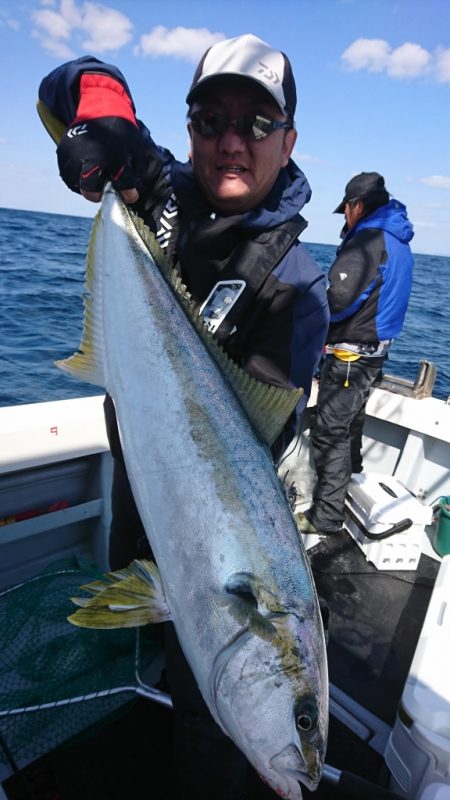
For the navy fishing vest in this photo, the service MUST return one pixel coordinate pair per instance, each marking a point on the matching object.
(207, 250)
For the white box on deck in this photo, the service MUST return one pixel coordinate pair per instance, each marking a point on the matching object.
(386, 521)
(418, 751)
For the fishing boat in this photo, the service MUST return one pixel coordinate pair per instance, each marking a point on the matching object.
(384, 582)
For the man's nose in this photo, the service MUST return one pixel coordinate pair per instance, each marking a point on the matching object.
(230, 140)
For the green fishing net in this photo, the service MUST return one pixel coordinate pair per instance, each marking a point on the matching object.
(56, 680)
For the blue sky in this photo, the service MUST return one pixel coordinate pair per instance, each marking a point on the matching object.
(373, 83)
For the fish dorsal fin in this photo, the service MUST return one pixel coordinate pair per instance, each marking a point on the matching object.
(268, 407)
(152, 244)
(52, 125)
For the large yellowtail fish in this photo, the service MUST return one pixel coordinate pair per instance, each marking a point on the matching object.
(232, 571)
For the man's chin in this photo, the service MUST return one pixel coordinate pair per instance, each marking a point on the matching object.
(236, 202)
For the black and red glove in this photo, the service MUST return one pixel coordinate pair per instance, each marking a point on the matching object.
(103, 142)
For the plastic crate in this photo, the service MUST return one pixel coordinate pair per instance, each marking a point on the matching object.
(386, 520)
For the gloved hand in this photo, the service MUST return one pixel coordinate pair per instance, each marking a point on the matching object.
(103, 142)
(94, 152)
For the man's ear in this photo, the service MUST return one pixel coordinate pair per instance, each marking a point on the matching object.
(360, 208)
(189, 130)
(288, 145)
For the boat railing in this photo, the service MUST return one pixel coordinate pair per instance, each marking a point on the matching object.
(421, 387)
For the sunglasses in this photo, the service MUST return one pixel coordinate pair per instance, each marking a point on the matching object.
(252, 126)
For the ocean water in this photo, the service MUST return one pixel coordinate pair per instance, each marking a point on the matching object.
(42, 260)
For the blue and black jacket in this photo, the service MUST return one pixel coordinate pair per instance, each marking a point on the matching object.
(370, 280)
(278, 326)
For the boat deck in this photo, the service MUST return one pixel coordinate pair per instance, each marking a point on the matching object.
(375, 621)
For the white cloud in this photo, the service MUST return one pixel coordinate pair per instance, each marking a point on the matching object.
(443, 65)
(409, 60)
(109, 29)
(56, 47)
(437, 181)
(96, 27)
(186, 43)
(370, 54)
(53, 23)
(71, 12)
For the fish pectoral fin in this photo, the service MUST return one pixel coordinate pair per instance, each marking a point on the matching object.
(245, 597)
(125, 599)
(246, 614)
(262, 627)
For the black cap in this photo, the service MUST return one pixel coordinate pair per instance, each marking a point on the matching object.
(363, 186)
(248, 57)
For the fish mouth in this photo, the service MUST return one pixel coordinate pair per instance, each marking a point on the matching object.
(291, 767)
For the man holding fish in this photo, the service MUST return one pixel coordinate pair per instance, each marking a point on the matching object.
(228, 221)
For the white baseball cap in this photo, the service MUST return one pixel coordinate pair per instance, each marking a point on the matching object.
(249, 57)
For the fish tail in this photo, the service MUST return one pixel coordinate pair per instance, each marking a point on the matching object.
(127, 598)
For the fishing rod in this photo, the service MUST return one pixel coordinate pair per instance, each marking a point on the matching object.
(353, 787)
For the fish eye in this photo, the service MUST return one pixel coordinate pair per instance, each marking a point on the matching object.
(304, 723)
(306, 715)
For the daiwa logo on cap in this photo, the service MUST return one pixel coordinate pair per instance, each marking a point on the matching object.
(249, 57)
(269, 75)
